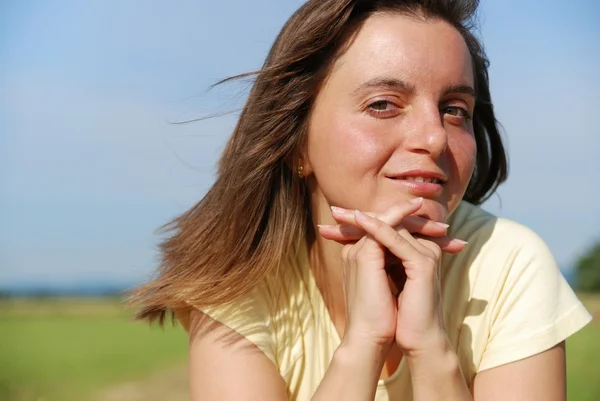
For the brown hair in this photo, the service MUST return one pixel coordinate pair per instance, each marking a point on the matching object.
(256, 212)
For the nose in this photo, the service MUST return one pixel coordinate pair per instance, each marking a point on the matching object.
(427, 133)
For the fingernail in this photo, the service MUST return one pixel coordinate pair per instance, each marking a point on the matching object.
(416, 201)
(460, 241)
(324, 225)
(338, 210)
(444, 225)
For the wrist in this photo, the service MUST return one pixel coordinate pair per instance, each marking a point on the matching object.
(353, 372)
(366, 347)
(355, 351)
(439, 358)
(436, 375)
(430, 346)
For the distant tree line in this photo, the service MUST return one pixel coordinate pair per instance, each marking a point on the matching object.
(44, 293)
(588, 270)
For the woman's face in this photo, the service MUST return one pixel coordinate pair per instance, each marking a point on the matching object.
(392, 120)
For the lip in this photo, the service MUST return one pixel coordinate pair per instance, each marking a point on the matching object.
(425, 189)
(421, 173)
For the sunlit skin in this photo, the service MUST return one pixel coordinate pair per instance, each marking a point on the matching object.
(399, 100)
(384, 110)
(397, 104)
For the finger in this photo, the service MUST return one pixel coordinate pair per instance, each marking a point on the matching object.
(414, 224)
(421, 225)
(392, 216)
(352, 273)
(446, 244)
(396, 215)
(342, 233)
(347, 252)
(346, 216)
(403, 245)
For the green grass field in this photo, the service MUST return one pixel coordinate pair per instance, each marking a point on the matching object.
(583, 357)
(72, 349)
(66, 349)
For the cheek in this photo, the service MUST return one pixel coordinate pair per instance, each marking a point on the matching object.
(345, 148)
(464, 155)
(468, 155)
(345, 155)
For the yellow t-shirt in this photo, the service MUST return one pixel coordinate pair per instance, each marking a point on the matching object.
(504, 299)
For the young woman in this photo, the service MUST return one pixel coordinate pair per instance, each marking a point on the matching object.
(328, 261)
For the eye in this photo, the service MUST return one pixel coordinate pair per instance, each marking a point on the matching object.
(382, 109)
(380, 105)
(458, 112)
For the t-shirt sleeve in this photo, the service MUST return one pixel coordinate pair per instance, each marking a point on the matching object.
(249, 316)
(535, 308)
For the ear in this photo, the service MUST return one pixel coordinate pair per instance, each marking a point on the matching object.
(303, 166)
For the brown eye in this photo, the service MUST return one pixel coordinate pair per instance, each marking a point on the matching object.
(380, 105)
(455, 111)
(383, 109)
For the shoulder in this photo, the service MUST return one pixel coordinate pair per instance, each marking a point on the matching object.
(516, 301)
(497, 239)
(248, 316)
(502, 257)
(266, 316)
(480, 225)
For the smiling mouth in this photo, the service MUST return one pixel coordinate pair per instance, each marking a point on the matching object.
(428, 187)
(422, 179)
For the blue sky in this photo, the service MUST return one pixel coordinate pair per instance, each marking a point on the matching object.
(90, 166)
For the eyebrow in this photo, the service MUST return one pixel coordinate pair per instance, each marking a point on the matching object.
(465, 89)
(384, 83)
(397, 84)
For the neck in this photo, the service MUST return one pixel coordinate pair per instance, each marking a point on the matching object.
(326, 265)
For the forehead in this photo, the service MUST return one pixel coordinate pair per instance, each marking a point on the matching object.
(426, 52)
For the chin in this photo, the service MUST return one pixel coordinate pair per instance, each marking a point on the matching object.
(433, 210)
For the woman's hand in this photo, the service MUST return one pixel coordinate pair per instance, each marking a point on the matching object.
(371, 310)
(348, 232)
(418, 324)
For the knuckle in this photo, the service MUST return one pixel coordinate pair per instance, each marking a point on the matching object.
(399, 238)
(431, 264)
(430, 248)
(363, 254)
(435, 251)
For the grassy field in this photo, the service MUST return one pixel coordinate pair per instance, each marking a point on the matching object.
(90, 350)
(583, 357)
(67, 349)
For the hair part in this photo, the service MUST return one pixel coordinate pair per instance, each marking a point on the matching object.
(258, 210)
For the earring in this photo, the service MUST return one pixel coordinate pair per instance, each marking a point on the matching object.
(301, 171)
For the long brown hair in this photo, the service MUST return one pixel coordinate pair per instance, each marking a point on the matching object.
(258, 208)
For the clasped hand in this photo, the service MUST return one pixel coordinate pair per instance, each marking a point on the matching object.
(391, 276)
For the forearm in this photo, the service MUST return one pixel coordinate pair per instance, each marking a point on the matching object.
(437, 376)
(352, 374)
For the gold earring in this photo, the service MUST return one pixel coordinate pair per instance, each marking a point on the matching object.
(300, 171)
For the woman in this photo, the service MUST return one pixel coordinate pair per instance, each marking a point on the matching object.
(321, 266)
